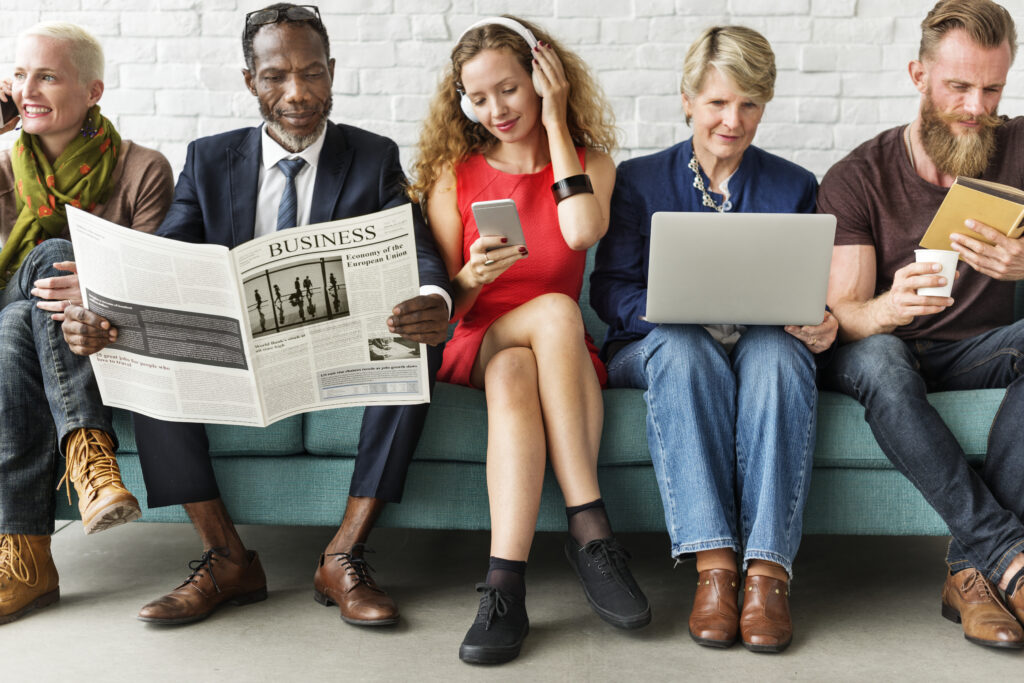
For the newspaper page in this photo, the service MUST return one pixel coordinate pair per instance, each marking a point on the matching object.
(288, 323)
(317, 299)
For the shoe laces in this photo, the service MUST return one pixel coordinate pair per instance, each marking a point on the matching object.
(90, 463)
(13, 565)
(204, 564)
(978, 580)
(610, 557)
(493, 603)
(357, 567)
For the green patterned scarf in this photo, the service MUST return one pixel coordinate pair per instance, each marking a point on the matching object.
(80, 177)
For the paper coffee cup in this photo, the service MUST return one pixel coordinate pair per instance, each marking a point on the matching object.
(946, 259)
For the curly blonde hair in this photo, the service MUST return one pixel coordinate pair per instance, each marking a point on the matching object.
(448, 136)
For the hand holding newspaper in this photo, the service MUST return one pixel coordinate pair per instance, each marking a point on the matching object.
(287, 323)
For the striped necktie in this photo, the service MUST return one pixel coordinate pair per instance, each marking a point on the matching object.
(287, 210)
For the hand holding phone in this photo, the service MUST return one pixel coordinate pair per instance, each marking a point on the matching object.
(8, 111)
(499, 217)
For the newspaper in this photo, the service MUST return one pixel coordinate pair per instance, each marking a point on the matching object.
(284, 324)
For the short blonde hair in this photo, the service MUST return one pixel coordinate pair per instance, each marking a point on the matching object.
(86, 51)
(739, 53)
(987, 24)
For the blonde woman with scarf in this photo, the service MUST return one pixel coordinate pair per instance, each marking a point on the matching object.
(67, 153)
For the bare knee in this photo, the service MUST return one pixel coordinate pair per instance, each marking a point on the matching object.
(559, 316)
(510, 377)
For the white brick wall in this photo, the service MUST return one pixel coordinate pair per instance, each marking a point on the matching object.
(173, 65)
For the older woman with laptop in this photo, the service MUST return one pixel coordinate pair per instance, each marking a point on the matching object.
(730, 408)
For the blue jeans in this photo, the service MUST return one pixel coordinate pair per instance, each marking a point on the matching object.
(891, 378)
(731, 436)
(46, 392)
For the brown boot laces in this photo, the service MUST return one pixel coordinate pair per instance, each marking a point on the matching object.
(12, 565)
(357, 567)
(90, 464)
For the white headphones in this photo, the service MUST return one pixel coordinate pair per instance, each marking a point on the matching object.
(512, 24)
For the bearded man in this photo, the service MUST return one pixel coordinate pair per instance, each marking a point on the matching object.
(898, 345)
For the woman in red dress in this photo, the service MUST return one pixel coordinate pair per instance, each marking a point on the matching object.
(517, 116)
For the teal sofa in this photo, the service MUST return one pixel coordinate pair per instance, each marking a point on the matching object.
(297, 471)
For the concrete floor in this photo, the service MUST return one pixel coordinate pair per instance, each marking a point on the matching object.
(864, 609)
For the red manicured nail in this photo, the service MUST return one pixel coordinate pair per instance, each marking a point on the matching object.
(504, 239)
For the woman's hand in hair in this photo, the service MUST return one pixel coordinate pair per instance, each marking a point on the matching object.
(548, 69)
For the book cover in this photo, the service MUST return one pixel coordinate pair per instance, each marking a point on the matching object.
(994, 204)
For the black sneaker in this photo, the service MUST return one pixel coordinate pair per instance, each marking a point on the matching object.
(499, 630)
(607, 582)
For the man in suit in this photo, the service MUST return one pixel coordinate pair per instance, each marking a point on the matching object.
(296, 169)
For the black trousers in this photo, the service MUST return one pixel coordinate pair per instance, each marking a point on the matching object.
(176, 466)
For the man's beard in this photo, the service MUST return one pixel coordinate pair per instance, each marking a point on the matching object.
(290, 141)
(968, 153)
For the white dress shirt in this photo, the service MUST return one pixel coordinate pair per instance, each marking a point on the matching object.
(271, 183)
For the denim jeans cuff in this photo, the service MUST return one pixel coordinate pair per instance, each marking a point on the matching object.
(1005, 558)
(39, 527)
(88, 422)
(684, 551)
(768, 556)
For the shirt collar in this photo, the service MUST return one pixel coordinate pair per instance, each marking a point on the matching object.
(273, 152)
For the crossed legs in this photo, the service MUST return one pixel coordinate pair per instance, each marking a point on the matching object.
(544, 405)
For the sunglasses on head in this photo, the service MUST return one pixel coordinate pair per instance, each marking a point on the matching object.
(294, 13)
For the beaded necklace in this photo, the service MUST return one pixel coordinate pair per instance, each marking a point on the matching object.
(698, 182)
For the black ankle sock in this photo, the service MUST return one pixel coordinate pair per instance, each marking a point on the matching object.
(508, 575)
(588, 522)
(1015, 583)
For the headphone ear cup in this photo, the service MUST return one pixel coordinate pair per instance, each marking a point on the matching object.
(467, 108)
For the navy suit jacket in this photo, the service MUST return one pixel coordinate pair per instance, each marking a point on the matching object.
(358, 173)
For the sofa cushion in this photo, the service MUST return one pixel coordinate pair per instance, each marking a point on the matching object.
(333, 432)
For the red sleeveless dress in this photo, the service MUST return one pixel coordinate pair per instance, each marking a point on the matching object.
(550, 267)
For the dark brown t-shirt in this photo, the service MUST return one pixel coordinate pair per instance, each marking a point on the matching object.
(878, 199)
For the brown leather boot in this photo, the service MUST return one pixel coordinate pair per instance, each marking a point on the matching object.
(343, 579)
(103, 501)
(28, 577)
(969, 598)
(765, 623)
(715, 617)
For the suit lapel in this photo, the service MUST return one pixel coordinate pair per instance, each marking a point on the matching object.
(243, 180)
(332, 168)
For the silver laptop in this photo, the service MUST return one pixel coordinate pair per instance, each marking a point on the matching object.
(743, 268)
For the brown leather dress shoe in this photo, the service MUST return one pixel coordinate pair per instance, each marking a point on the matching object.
(343, 579)
(213, 582)
(969, 598)
(765, 624)
(715, 617)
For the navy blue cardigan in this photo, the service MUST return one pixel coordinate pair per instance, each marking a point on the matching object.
(763, 183)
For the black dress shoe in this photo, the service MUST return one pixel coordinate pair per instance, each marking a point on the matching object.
(497, 634)
(608, 583)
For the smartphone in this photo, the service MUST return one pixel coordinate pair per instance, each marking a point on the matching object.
(7, 111)
(499, 217)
